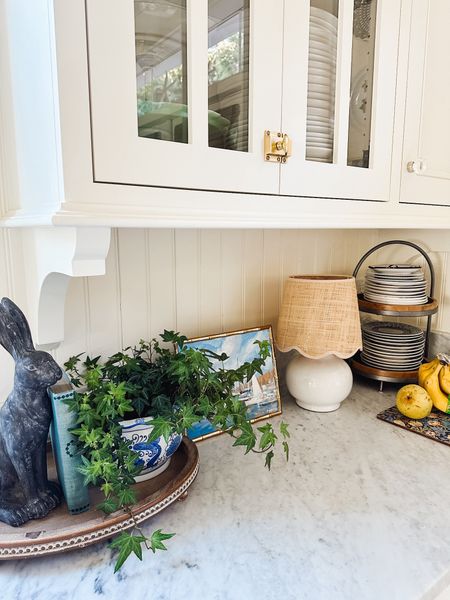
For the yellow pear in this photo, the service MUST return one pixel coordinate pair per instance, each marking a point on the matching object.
(414, 401)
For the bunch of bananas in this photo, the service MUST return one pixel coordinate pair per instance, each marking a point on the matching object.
(435, 378)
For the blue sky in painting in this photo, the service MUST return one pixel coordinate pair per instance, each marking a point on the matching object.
(240, 347)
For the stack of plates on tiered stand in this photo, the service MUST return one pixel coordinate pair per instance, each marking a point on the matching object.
(392, 346)
(395, 284)
(321, 85)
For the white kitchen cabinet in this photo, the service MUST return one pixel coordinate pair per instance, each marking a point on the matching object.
(349, 45)
(358, 161)
(208, 85)
(425, 176)
(154, 113)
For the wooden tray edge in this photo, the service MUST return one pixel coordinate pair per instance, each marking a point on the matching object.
(111, 526)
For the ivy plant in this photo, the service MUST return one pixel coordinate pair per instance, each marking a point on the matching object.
(175, 385)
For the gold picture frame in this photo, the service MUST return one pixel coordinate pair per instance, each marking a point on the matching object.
(262, 393)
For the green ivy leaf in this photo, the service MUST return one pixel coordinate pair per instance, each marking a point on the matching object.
(286, 450)
(161, 427)
(284, 430)
(107, 488)
(269, 457)
(126, 496)
(268, 437)
(86, 470)
(108, 505)
(156, 541)
(188, 417)
(127, 543)
(246, 438)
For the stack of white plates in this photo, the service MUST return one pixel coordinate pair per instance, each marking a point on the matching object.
(395, 284)
(321, 85)
(392, 346)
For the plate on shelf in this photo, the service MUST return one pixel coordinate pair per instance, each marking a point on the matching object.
(320, 120)
(316, 70)
(406, 281)
(396, 285)
(396, 300)
(323, 15)
(393, 358)
(319, 103)
(393, 361)
(321, 37)
(322, 56)
(327, 48)
(398, 351)
(382, 346)
(320, 80)
(319, 152)
(314, 91)
(324, 130)
(313, 138)
(390, 328)
(321, 27)
(401, 292)
(328, 161)
(384, 367)
(384, 363)
(313, 111)
(321, 65)
(395, 268)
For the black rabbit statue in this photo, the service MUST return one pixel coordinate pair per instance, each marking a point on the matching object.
(25, 491)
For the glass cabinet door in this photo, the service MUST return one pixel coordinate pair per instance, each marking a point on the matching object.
(229, 72)
(161, 70)
(338, 97)
(182, 92)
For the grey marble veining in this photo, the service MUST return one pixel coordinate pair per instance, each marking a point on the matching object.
(359, 513)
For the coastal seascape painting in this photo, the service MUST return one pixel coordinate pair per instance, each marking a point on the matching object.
(261, 394)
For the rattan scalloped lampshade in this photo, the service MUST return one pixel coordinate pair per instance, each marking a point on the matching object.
(319, 316)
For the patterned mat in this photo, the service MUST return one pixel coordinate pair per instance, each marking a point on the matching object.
(436, 426)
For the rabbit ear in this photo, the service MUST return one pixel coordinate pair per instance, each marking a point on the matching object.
(15, 334)
(5, 338)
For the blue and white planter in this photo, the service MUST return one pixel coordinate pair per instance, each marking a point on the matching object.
(153, 456)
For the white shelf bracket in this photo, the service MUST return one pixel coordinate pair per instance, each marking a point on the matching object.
(52, 255)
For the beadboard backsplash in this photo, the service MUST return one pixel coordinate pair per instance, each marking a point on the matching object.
(201, 282)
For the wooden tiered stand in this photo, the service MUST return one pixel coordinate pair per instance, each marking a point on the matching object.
(395, 310)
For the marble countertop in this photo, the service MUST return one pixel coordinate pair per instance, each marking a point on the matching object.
(359, 512)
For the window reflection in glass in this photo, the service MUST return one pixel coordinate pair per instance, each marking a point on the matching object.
(361, 90)
(160, 35)
(228, 74)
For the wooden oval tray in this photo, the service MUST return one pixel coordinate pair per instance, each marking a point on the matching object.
(60, 531)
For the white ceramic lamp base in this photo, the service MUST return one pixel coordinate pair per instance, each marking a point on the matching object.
(319, 384)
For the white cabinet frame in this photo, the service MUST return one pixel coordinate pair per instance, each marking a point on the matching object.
(337, 180)
(120, 156)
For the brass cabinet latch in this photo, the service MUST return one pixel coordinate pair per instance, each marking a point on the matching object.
(277, 146)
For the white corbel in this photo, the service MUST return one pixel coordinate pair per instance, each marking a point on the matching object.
(52, 255)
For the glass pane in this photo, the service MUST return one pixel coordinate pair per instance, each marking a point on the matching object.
(228, 74)
(323, 26)
(364, 20)
(160, 28)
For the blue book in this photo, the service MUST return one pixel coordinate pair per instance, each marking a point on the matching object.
(63, 443)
